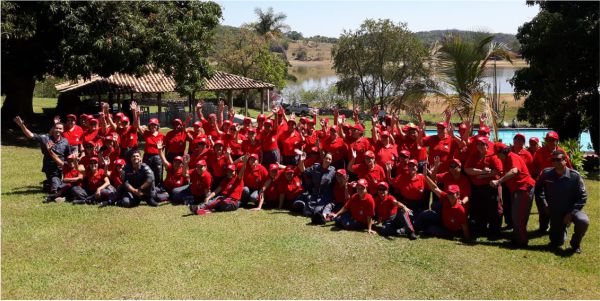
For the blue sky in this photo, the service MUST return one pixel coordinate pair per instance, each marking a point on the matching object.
(330, 18)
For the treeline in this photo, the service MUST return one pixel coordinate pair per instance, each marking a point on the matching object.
(431, 36)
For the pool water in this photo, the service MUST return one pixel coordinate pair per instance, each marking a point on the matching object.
(506, 136)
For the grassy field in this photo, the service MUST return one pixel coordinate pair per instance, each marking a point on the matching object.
(61, 251)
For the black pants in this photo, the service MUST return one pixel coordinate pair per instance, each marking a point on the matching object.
(485, 211)
(128, 200)
(156, 165)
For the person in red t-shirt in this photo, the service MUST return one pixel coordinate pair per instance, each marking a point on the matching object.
(412, 145)
(218, 159)
(368, 170)
(486, 207)
(197, 190)
(359, 143)
(73, 133)
(268, 195)
(251, 145)
(520, 184)
(254, 179)
(95, 187)
(290, 142)
(335, 145)
(385, 149)
(441, 145)
(89, 151)
(392, 221)
(175, 171)
(289, 187)
(358, 212)
(210, 126)
(71, 177)
(313, 156)
(227, 196)
(518, 148)
(342, 190)
(452, 177)
(109, 152)
(534, 145)
(193, 135)
(452, 221)
(410, 188)
(115, 175)
(91, 135)
(234, 141)
(200, 152)
(175, 140)
(153, 137)
(270, 149)
(128, 138)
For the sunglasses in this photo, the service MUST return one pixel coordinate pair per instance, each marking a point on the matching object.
(382, 189)
(557, 159)
(453, 165)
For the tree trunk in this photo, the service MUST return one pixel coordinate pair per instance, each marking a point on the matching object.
(19, 97)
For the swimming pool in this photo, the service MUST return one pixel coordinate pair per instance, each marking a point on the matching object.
(506, 135)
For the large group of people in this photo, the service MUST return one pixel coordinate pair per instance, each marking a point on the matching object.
(398, 182)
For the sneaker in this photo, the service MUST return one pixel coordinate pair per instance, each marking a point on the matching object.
(78, 202)
(575, 250)
(103, 204)
(203, 212)
(60, 199)
(49, 199)
(401, 232)
(412, 236)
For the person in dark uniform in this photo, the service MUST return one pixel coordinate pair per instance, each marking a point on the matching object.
(138, 185)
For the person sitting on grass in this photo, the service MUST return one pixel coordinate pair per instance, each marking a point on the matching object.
(227, 196)
(200, 181)
(453, 219)
(268, 195)
(255, 177)
(138, 185)
(115, 175)
(289, 187)
(175, 171)
(359, 210)
(95, 186)
(392, 221)
(71, 177)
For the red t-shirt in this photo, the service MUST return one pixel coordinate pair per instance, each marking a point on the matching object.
(386, 207)
(90, 136)
(251, 147)
(453, 217)
(70, 172)
(112, 154)
(290, 142)
(151, 142)
(174, 178)
(384, 154)
(115, 178)
(417, 152)
(234, 144)
(443, 148)
(527, 158)
(337, 148)
(255, 176)
(271, 194)
(232, 187)
(269, 140)
(339, 193)
(216, 163)
(209, 129)
(194, 141)
(410, 189)
(373, 177)
(492, 162)
(291, 189)
(73, 135)
(310, 140)
(361, 145)
(128, 137)
(92, 182)
(541, 159)
(522, 181)
(463, 183)
(175, 142)
(200, 183)
(361, 210)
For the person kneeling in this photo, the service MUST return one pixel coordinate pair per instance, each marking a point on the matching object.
(453, 218)
(392, 221)
(227, 196)
(359, 210)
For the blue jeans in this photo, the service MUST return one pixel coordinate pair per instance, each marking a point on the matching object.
(249, 194)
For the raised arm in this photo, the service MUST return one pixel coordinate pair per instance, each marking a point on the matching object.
(301, 163)
(161, 153)
(432, 186)
(24, 128)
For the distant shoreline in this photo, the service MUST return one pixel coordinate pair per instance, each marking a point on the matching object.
(517, 63)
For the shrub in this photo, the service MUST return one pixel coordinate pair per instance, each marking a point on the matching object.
(573, 149)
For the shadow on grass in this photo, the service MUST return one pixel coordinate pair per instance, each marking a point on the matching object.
(25, 190)
(540, 248)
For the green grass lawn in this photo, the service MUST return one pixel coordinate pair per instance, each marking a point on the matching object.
(61, 251)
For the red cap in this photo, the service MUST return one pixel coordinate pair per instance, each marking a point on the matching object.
(233, 127)
(345, 126)
(93, 120)
(261, 117)
(519, 135)
(247, 120)
(84, 117)
(303, 120)
(273, 167)
(219, 142)
(326, 120)
(405, 153)
(359, 127)
(333, 128)
(499, 146)
(202, 162)
(457, 162)
(176, 122)
(251, 130)
(178, 158)
(153, 121)
(411, 126)
(289, 169)
(462, 127)
(483, 130)
(93, 160)
(453, 188)
(311, 121)
(384, 184)
(119, 114)
(535, 139)
(363, 183)
(341, 171)
(108, 138)
(385, 133)
(291, 121)
(369, 154)
(269, 122)
(552, 135)
(212, 116)
(231, 167)
(442, 124)
(197, 124)
(124, 119)
(72, 116)
(120, 162)
(227, 122)
(202, 140)
(413, 161)
(255, 156)
(314, 150)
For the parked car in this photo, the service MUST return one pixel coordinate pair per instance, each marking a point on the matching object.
(300, 109)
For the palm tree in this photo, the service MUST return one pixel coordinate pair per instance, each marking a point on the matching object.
(461, 63)
(270, 25)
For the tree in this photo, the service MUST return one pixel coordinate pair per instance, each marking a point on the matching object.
(461, 64)
(294, 35)
(561, 83)
(77, 39)
(270, 26)
(386, 59)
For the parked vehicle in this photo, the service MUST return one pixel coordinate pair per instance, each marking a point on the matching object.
(299, 109)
